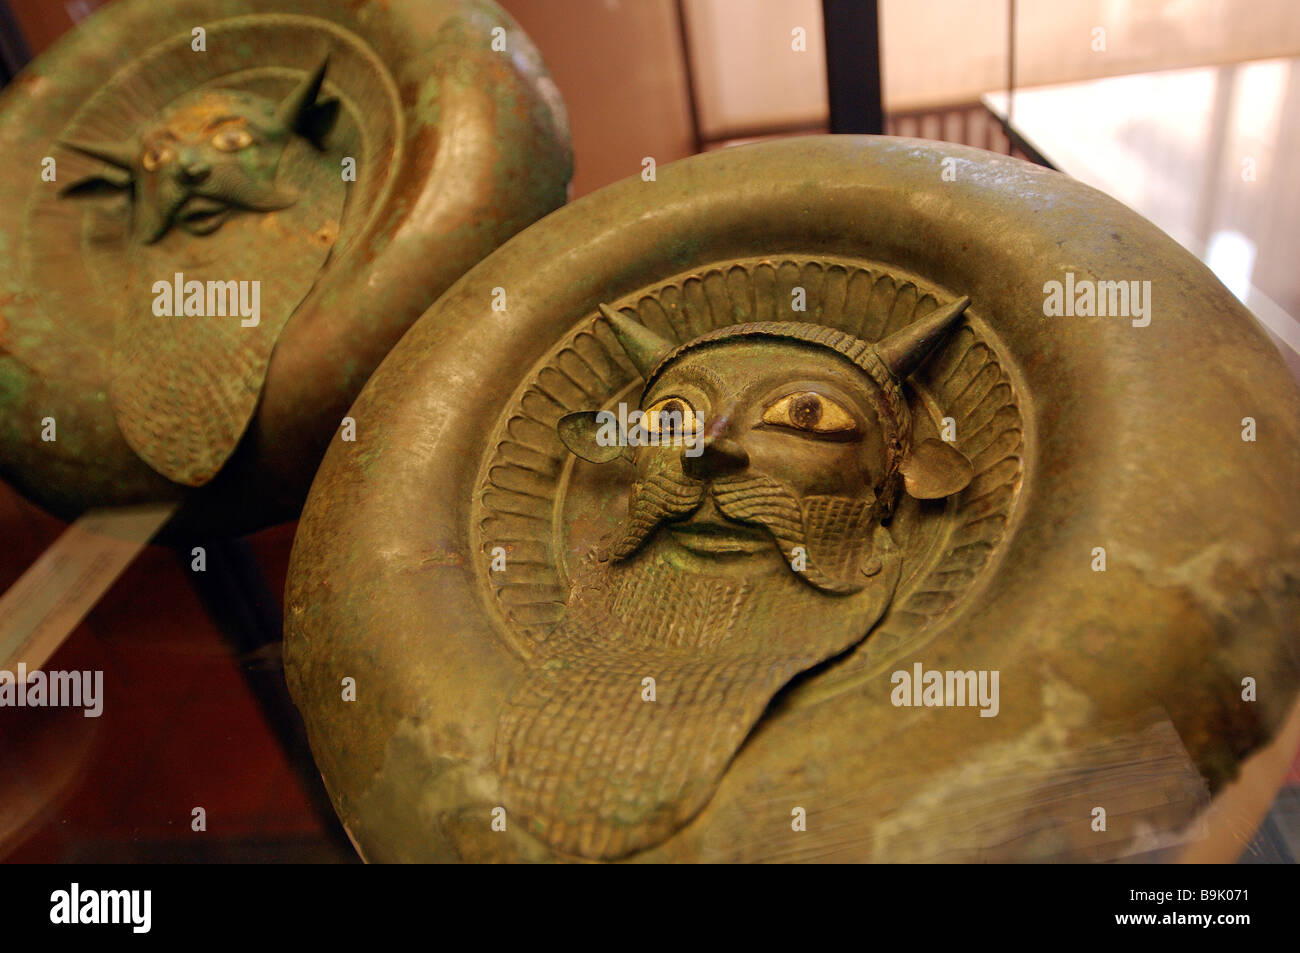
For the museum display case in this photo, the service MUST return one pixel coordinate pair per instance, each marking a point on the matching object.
(648, 431)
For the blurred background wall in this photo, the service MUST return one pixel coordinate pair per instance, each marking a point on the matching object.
(667, 78)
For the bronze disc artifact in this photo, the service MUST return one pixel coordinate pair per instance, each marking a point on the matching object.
(789, 514)
(223, 214)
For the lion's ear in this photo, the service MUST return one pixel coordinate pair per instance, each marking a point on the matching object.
(588, 435)
(306, 114)
(935, 469)
(109, 182)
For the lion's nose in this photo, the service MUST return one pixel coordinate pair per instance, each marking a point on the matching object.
(718, 456)
(195, 170)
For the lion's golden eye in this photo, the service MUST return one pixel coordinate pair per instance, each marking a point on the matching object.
(671, 417)
(156, 156)
(811, 413)
(232, 139)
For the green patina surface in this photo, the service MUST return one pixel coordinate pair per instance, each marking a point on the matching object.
(236, 182)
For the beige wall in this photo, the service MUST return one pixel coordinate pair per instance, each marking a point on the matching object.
(748, 72)
(940, 52)
(619, 66)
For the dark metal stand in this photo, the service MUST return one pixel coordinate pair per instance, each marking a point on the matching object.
(853, 66)
(14, 54)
